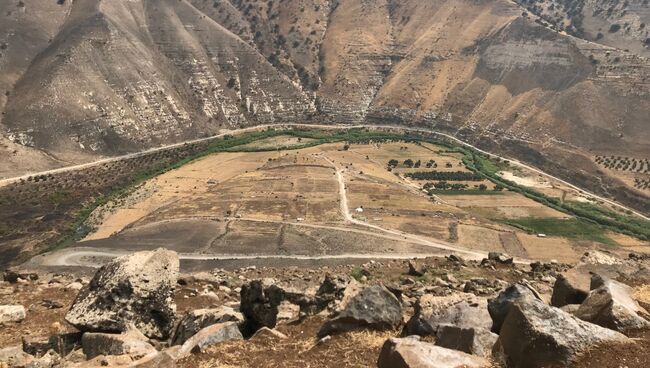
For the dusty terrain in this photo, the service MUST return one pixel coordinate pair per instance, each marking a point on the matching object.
(48, 298)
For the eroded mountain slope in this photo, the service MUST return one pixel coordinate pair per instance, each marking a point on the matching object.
(108, 77)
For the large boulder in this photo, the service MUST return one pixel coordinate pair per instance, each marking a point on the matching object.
(471, 340)
(461, 309)
(535, 335)
(12, 313)
(610, 304)
(373, 307)
(499, 307)
(209, 336)
(263, 300)
(137, 290)
(570, 288)
(412, 353)
(131, 343)
(198, 319)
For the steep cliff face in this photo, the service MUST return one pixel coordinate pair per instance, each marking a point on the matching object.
(93, 78)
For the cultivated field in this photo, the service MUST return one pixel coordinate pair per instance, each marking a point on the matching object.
(337, 200)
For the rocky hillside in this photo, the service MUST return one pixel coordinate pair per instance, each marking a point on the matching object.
(615, 23)
(138, 311)
(88, 78)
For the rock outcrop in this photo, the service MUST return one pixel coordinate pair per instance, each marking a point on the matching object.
(610, 304)
(12, 313)
(412, 353)
(209, 336)
(263, 300)
(135, 290)
(569, 289)
(198, 319)
(131, 343)
(472, 340)
(461, 310)
(535, 335)
(499, 307)
(373, 307)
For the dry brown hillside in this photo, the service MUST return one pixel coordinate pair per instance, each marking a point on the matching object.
(89, 78)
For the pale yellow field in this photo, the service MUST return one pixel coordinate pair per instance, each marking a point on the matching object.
(548, 248)
(301, 186)
(478, 237)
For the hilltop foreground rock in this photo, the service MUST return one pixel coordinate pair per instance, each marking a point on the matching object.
(536, 335)
(372, 307)
(412, 353)
(610, 304)
(135, 290)
(342, 322)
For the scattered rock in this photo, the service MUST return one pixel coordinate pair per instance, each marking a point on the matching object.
(596, 257)
(411, 353)
(333, 287)
(261, 300)
(198, 319)
(535, 335)
(137, 289)
(413, 271)
(48, 360)
(36, 346)
(499, 307)
(610, 304)
(323, 340)
(74, 286)
(267, 333)
(481, 286)
(462, 310)
(209, 336)
(132, 343)
(373, 307)
(551, 268)
(456, 259)
(501, 258)
(639, 256)
(12, 313)
(13, 276)
(570, 288)
(65, 343)
(287, 312)
(471, 340)
(51, 304)
(14, 357)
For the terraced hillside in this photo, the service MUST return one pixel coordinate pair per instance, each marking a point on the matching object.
(90, 78)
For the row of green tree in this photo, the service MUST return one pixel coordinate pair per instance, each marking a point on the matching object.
(445, 175)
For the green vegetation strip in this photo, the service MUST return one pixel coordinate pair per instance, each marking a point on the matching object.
(464, 192)
(625, 224)
(569, 228)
